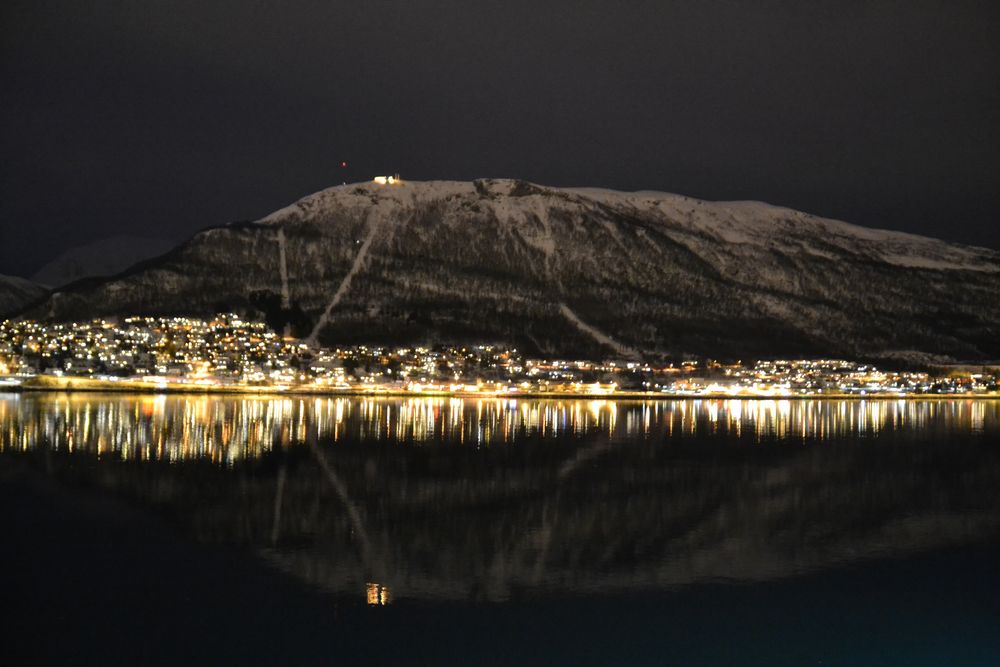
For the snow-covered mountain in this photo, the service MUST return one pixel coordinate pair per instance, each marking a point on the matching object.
(572, 271)
(101, 258)
(15, 293)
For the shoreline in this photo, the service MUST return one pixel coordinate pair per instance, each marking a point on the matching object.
(88, 385)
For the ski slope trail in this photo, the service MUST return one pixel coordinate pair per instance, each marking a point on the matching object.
(345, 283)
(597, 334)
(286, 296)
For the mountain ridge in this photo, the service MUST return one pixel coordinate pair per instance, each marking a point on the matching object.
(104, 257)
(17, 292)
(563, 270)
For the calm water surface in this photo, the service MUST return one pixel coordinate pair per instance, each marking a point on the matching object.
(504, 531)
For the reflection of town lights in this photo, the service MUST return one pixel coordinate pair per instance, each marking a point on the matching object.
(377, 594)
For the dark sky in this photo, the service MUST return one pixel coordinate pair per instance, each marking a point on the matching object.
(158, 118)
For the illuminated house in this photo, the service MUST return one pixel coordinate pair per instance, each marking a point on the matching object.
(388, 180)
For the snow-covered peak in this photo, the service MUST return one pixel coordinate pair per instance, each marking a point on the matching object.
(104, 257)
(368, 193)
(16, 292)
(572, 270)
(749, 223)
(15, 282)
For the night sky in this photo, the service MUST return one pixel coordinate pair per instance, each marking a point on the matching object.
(160, 118)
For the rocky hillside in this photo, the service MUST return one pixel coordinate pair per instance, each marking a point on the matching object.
(571, 272)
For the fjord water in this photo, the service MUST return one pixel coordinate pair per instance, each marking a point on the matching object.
(495, 531)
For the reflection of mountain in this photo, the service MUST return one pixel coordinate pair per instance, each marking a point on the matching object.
(573, 511)
(625, 518)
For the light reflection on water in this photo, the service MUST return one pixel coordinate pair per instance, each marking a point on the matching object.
(230, 429)
(435, 498)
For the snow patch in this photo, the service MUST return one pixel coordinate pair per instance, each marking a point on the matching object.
(282, 213)
(544, 241)
(106, 257)
(16, 292)
(18, 283)
(943, 264)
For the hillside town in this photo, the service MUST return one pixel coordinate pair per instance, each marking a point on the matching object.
(230, 353)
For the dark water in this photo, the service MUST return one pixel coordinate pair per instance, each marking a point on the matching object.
(442, 531)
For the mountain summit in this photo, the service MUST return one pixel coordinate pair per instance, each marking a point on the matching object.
(567, 271)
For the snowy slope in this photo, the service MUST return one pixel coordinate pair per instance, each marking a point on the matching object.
(101, 258)
(15, 293)
(581, 271)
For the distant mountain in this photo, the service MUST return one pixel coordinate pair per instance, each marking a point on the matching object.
(101, 258)
(572, 272)
(15, 293)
